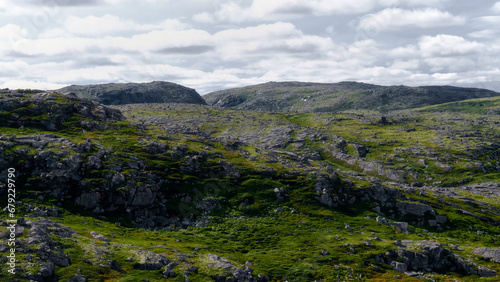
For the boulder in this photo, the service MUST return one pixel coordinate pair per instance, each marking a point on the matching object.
(489, 254)
(152, 261)
(414, 208)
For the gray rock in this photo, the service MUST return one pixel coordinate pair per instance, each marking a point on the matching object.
(432, 256)
(403, 226)
(361, 150)
(441, 219)
(169, 272)
(46, 269)
(489, 254)
(99, 236)
(413, 208)
(262, 278)
(152, 261)
(399, 266)
(219, 262)
(78, 278)
(115, 265)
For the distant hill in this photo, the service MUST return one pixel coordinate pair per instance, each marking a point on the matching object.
(136, 93)
(332, 97)
(483, 106)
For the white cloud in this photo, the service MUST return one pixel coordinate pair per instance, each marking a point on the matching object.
(412, 64)
(265, 40)
(485, 34)
(109, 24)
(406, 52)
(496, 7)
(203, 18)
(396, 18)
(450, 64)
(13, 68)
(11, 31)
(164, 40)
(280, 51)
(112, 24)
(444, 45)
(488, 25)
(155, 41)
(30, 84)
(264, 10)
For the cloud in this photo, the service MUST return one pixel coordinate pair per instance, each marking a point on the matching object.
(488, 23)
(485, 34)
(396, 18)
(263, 10)
(266, 40)
(496, 7)
(30, 84)
(450, 53)
(69, 3)
(62, 2)
(444, 45)
(109, 24)
(154, 41)
(13, 68)
(92, 25)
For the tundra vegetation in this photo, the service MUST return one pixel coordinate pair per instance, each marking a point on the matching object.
(190, 192)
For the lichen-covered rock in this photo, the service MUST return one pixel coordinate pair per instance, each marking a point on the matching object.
(152, 261)
(98, 236)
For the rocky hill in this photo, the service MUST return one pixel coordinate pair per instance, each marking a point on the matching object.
(182, 192)
(135, 93)
(334, 97)
(52, 111)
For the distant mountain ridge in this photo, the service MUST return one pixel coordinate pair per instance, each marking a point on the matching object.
(333, 97)
(136, 93)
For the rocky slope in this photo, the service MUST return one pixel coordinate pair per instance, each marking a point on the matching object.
(189, 192)
(134, 93)
(333, 97)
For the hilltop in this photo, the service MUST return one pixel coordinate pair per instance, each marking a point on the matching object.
(335, 97)
(134, 93)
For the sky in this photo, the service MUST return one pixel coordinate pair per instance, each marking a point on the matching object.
(220, 44)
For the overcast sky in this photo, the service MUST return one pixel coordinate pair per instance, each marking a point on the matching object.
(219, 44)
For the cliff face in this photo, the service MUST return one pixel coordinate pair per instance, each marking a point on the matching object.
(136, 93)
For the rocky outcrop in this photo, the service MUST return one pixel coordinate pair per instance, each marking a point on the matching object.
(135, 93)
(53, 111)
(416, 209)
(43, 251)
(73, 173)
(429, 256)
(234, 274)
(151, 261)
